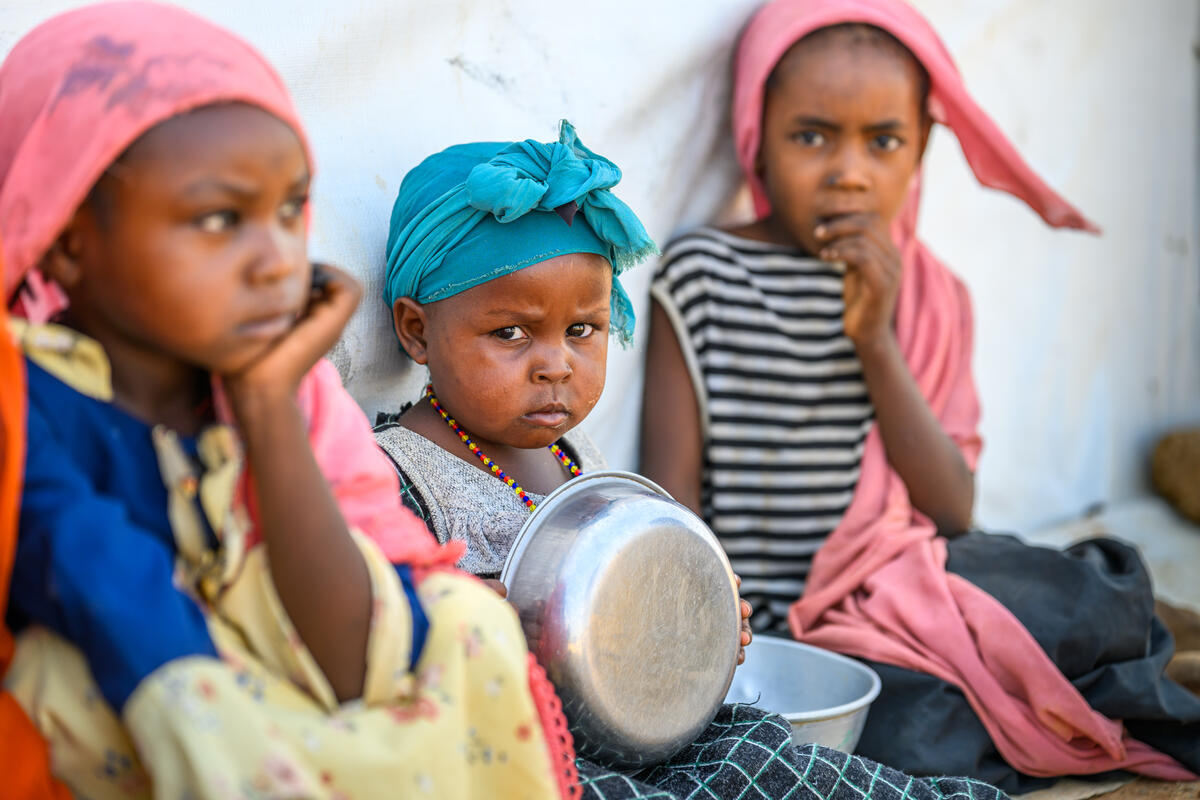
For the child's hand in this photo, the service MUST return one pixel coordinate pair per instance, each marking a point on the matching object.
(863, 243)
(746, 635)
(497, 587)
(278, 372)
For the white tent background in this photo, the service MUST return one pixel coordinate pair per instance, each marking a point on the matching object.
(1086, 348)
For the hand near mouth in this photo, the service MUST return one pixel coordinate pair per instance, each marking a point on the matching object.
(863, 243)
(278, 371)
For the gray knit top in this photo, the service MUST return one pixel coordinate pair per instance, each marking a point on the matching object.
(457, 500)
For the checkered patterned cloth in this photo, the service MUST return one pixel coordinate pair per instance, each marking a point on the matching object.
(747, 754)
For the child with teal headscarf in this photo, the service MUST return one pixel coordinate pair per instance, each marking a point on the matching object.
(503, 265)
(503, 279)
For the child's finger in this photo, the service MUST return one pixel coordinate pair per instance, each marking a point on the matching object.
(853, 251)
(864, 258)
(315, 332)
(330, 310)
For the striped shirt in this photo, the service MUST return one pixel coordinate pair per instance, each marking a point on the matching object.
(783, 406)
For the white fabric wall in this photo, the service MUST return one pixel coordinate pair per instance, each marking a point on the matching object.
(1086, 347)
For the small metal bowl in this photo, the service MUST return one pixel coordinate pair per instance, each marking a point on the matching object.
(629, 603)
(825, 696)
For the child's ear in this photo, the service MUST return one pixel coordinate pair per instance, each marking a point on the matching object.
(411, 324)
(62, 263)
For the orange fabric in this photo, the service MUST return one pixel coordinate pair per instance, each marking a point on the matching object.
(24, 760)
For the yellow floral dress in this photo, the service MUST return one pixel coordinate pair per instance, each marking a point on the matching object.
(473, 717)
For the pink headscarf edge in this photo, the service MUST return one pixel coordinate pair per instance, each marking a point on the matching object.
(996, 163)
(22, 252)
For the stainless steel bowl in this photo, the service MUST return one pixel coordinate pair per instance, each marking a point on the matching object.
(825, 696)
(628, 602)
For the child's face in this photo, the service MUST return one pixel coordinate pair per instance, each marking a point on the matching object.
(195, 248)
(843, 132)
(520, 360)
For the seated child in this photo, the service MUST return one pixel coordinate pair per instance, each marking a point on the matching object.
(502, 278)
(809, 392)
(186, 627)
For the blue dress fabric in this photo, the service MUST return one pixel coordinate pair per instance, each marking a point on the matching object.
(95, 558)
(95, 552)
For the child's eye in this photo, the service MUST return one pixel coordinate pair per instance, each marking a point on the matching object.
(510, 334)
(581, 330)
(293, 208)
(887, 142)
(217, 221)
(809, 138)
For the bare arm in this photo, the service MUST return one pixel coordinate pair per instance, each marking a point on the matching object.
(928, 461)
(939, 482)
(671, 452)
(317, 569)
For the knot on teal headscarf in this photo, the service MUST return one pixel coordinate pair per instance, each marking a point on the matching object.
(475, 212)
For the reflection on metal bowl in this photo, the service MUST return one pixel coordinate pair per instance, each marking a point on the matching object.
(628, 602)
(825, 696)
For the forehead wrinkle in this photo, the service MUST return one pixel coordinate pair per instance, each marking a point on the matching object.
(222, 185)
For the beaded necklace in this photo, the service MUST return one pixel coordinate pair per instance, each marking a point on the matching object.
(558, 452)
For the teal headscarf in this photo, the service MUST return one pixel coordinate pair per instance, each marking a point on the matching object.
(475, 212)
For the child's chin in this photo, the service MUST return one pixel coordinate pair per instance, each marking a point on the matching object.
(541, 436)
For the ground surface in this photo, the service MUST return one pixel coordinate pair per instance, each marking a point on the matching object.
(1146, 789)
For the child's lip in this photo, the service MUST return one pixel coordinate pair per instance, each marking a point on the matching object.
(268, 327)
(550, 416)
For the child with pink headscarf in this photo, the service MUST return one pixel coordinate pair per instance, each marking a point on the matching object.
(215, 590)
(809, 392)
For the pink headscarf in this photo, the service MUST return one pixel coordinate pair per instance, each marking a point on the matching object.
(879, 588)
(74, 94)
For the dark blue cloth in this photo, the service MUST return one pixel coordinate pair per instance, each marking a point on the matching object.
(95, 552)
(420, 622)
(1091, 608)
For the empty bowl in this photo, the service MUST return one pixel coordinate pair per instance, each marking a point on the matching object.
(824, 695)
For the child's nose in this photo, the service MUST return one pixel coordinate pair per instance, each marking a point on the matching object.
(848, 169)
(278, 254)
(553, 365)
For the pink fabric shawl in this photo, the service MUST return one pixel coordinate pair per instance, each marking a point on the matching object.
(879, 588)
(74, 94)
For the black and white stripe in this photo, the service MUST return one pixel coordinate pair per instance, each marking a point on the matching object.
(782, 399)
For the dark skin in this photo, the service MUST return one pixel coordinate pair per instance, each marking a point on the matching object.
(192, 262)
(843, 134)
(517, 362)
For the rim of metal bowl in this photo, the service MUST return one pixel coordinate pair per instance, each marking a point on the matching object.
(836, 711)
(524, 536)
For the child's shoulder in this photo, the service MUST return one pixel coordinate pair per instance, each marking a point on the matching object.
(704, 239)
(707, 248)
(407, 448)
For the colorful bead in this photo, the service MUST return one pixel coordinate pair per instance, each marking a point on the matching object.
(558, 452)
